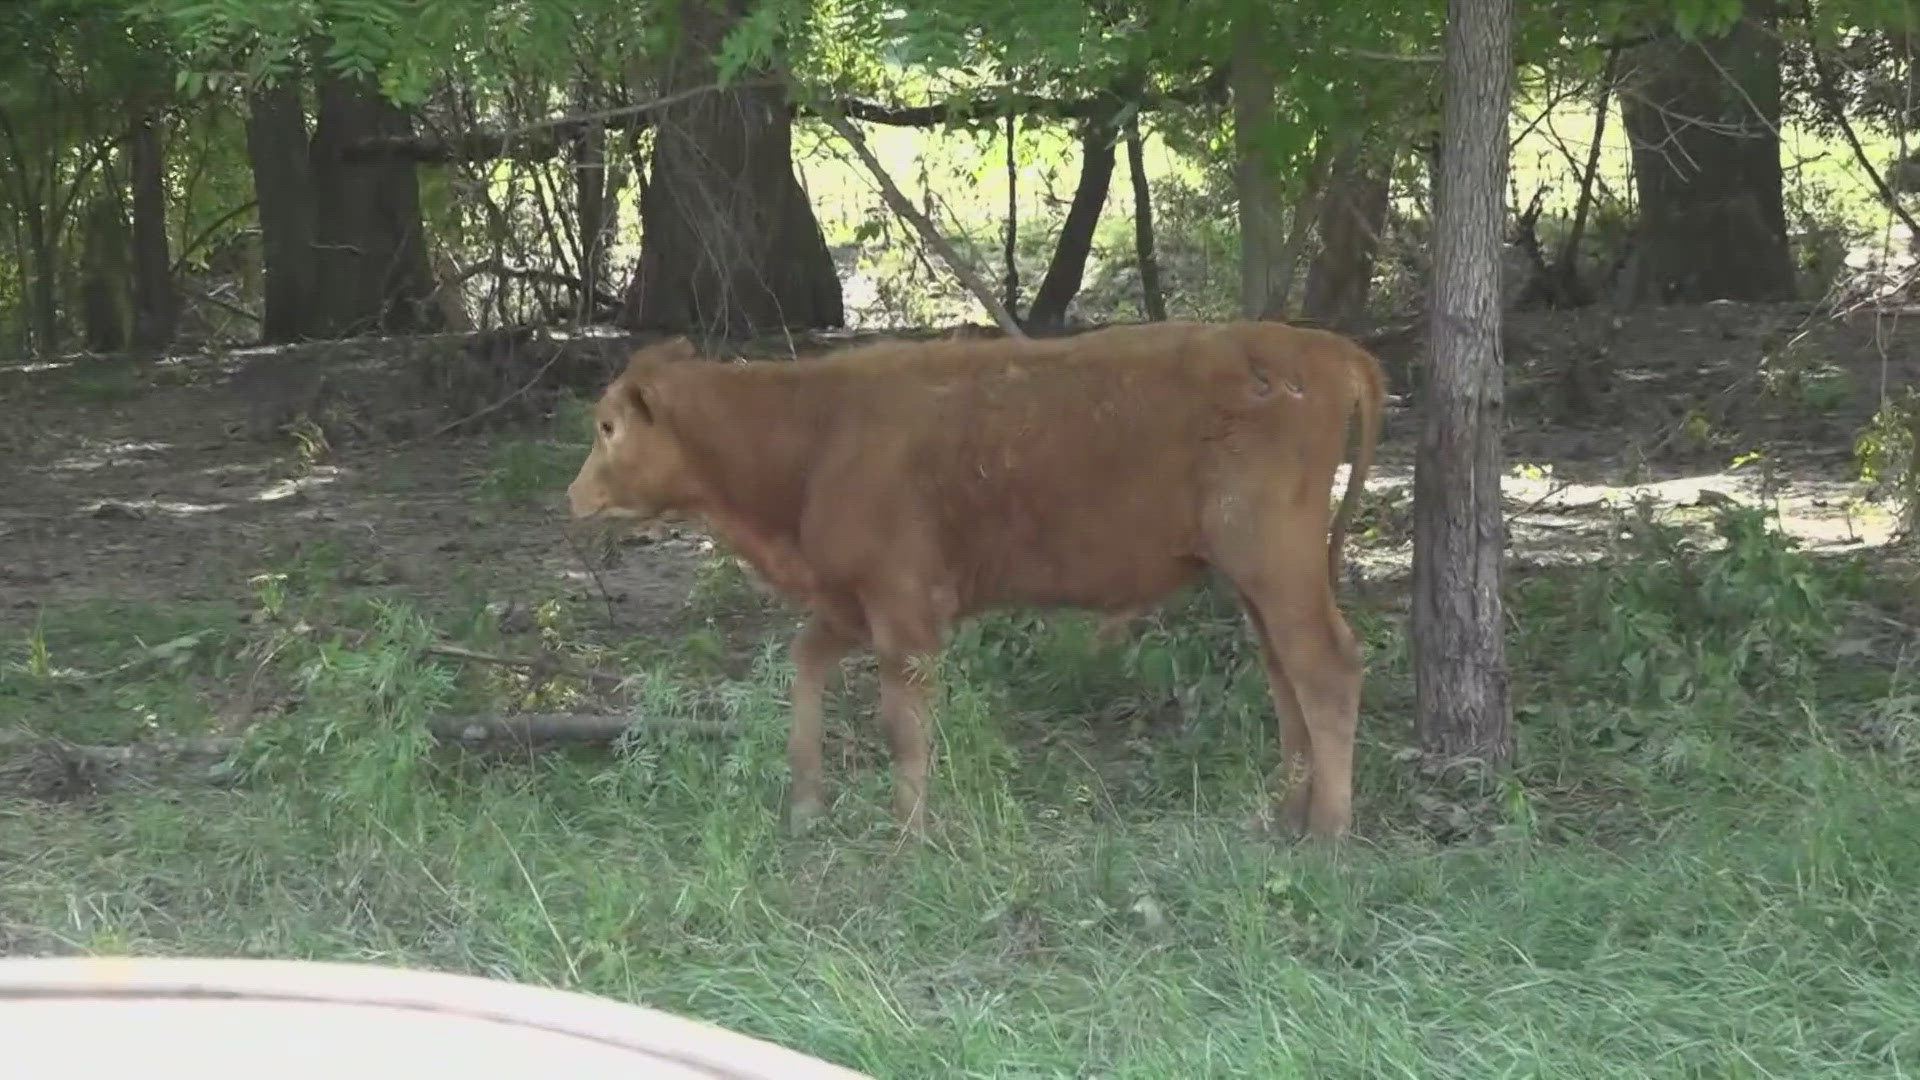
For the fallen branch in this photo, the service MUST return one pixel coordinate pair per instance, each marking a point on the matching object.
(212, 746)
(605, 680)
(904, 207)
(570, 727)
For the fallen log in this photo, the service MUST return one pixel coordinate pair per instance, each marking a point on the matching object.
(570, 727)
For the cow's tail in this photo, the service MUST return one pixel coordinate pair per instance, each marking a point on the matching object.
(1369, 401)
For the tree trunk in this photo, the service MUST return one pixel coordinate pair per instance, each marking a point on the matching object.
(1069, 264)
(105, 313)
(1151, 297)
(729, 241)
(1010, 241)
(283, 186)
(1459, 642)
(1254, 185)
(593, 207)
(374, 273)
(1703, 119)
(154, 307)
(1352, 214)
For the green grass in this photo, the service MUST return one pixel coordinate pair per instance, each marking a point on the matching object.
(1712, 875)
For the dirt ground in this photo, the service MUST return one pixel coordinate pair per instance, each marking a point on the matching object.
(144, 487)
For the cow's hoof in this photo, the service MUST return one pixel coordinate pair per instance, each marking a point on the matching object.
(803, 814)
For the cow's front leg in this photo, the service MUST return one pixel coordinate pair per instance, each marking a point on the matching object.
(817, 652)
(905, 684)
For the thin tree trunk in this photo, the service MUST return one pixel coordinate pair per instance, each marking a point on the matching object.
(1570, 289)
(1459, 642)
(46, 289)
(1013, 217)
(1151, 296)
(154, 305)
(1069, 264)
(1286, 262)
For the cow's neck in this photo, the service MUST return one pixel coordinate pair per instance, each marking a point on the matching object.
(749, 436)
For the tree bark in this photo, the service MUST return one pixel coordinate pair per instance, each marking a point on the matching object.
(283, 186)
(105, 312)
(374, 273)
(1255, 189)
(1010, 242)
(1704, 118)
(1460, 671)
(1151, 296)
(154, 304)
(594, 207)
(1069, 264)
(730, 243)
(1352, 214)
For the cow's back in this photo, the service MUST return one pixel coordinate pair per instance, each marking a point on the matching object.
(1068, 472)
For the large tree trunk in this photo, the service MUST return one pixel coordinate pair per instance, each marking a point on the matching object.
(1352, 214)
(1151, 296)
(283, 186)
(1703, 119)
(1459, 642)
(1069, 264)
(153, 299)
(1255, 188)
(729, 241)
(374, 273)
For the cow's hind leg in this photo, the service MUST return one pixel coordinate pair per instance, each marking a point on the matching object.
(816, 652)
(1312, 650)
(1296, 744)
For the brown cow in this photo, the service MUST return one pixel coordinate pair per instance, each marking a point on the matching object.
(896, 488)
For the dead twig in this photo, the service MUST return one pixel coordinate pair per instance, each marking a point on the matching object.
(1527, 511)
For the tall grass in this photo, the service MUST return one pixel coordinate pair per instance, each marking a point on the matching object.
(1089, 906)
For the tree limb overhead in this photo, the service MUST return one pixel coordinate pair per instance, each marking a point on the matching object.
(545, 140)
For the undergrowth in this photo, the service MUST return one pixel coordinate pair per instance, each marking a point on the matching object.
(1703, 864)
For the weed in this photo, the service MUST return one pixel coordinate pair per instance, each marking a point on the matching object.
(1888, 453)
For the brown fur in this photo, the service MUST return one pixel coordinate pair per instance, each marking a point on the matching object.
(896, 488)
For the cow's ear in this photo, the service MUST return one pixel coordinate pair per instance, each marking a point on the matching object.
(637, 399)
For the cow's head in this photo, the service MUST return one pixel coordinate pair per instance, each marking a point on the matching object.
(636, 468)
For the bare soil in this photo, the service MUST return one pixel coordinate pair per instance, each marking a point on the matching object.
(140, 485)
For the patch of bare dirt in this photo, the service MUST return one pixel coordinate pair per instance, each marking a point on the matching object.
(157, 494)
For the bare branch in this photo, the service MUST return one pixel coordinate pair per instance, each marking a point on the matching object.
(930, 234)
(544, 140)
(1829, 96)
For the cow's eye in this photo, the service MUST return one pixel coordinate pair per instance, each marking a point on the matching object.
(606, 429)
